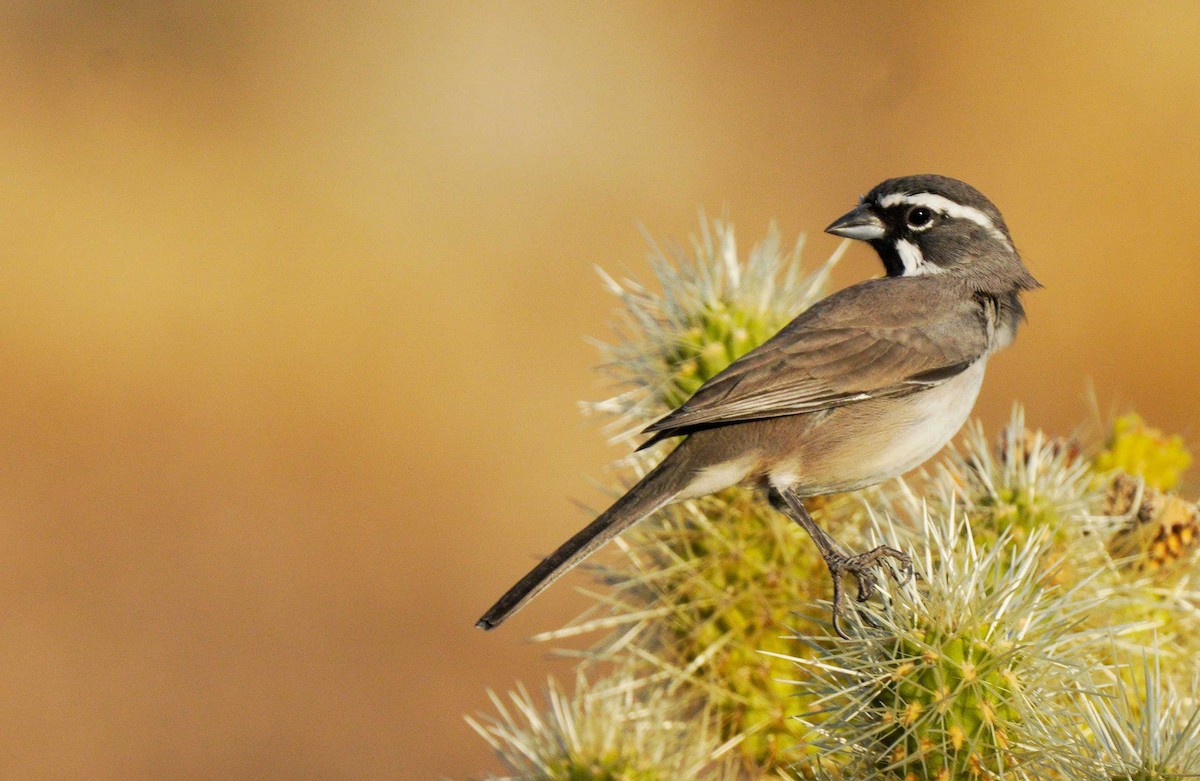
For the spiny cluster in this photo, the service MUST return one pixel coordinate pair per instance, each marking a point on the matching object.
(726, 574)
(1026, 482)
(714, 659)
(713, 308)
(707, 585)
(941, 679)
(1134, 727)
(619, 731)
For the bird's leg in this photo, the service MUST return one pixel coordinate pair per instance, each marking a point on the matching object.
(839, 563)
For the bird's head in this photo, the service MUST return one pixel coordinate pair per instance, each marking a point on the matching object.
(932, 224)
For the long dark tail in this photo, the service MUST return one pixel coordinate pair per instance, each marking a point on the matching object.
(653, 491)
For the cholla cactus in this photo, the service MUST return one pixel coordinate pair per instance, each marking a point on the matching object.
(708, 587)
(619, 732)
(713, 308)
(711, 583)
(1131, 728)
(1028, 482)
(1020, 483)
(1144, 451)
(1031, 550)
(1159, 531)
(944, 681)
(1152, 546)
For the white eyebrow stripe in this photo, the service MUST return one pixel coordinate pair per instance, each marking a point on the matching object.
(942, 205)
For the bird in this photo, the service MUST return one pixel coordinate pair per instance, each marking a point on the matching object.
(863, 386)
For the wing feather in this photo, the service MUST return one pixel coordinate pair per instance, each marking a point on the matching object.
(882, 338)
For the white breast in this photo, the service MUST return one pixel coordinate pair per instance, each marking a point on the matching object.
(931, 419)
(856, 446)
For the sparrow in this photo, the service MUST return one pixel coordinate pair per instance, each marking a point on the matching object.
(863, 386)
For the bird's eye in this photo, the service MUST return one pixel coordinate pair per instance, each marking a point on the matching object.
(919, 217)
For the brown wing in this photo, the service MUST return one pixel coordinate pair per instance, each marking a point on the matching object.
(886, 337)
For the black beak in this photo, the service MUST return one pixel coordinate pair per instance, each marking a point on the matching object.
(860, 223)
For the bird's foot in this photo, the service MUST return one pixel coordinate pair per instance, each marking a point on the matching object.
(860, 566)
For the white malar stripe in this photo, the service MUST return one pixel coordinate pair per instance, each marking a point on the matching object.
(942, 205)
(913, 260)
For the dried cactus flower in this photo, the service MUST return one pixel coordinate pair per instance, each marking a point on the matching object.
(620, 731)
(943, 681)
(1145, 576)
(1160, 532)
(1122, 496)
(1144, 451)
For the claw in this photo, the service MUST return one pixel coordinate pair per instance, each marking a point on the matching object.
(870, 620)
(837, 603)
(907, 572)
(858, 566)
(866, 586)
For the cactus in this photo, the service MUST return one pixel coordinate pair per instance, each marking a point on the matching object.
(1134, 727)
(714, 660)
(710, 588)
(943, 681)
(618, 731)
(713, 308)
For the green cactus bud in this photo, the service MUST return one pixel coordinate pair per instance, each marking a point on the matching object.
(619, 730)
(713, 309)
(945, 680)
(1026, 483)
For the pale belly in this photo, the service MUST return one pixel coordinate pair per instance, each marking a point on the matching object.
(866, 443)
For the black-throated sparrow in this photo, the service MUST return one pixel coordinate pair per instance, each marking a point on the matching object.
(863, 386)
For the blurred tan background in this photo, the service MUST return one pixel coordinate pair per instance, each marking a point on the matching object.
(294, 298)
